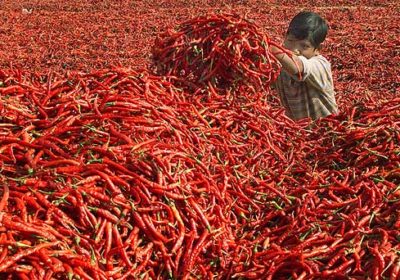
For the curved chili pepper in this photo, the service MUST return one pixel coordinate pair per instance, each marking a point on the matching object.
(4, 199)
(15, 258)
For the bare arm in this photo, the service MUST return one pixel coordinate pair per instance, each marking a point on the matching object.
(290, 63)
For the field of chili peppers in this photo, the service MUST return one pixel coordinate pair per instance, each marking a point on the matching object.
(117, 164)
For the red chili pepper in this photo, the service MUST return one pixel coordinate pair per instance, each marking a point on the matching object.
(106, 214)
(121, 247)
(15, 258)
(394, 274)
(339, 269)
(201, 244)
(62, 217)
(181, 227)
(114, 189)
(26, 228)
(150, 226)
(200, 212)
(81, 273)
(4, 199)
(23, 276)
(147, 251)
(379, 262)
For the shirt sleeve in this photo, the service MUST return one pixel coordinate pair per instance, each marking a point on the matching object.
(316, 72)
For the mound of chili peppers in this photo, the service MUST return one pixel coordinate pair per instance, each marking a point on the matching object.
(224, 50)
(118, 174)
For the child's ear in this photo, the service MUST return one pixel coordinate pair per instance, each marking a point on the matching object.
(320, 46)
(317, 50)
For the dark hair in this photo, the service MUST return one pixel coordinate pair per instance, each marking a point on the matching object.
(310, 26)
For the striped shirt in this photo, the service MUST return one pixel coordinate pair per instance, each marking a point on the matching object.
(313, 95)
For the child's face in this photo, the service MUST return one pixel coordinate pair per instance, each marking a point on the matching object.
(300, 47)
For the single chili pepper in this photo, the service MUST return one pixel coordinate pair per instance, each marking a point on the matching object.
(23, 276)
(20, 111)
(132, 238)
(80, 263)
(88, 180)
(15, 258)
(166, 257)
(133, 271)
(136, 176)
(109, 238)
(48, 275)
(57, 264)
(270, 187)
(339, 269)
(114, 189)
(14, 140)
(335, 258)
(201, 244)
(177, 261)
(150, 226)
(4, 251)
(105, 214)
(101, 228)
(121, 247)
(199, 211)
(46, 259)
(394, 274)
(81, 273)
(181, 227)
(21, 269)
(120, 135)
(116, 272)
(88, 217)
(63, 218)
(379, 263)
(26, 228)
(12, 89)
(4, 199)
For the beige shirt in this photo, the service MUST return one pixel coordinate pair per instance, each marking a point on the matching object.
(311, 96)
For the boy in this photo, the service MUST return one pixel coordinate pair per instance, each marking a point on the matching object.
(305, 84)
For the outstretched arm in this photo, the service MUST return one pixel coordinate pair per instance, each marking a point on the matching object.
(290, 62)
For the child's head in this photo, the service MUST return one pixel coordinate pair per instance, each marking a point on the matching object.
(306, 32)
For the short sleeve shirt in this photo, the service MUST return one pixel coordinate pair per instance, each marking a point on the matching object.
(310, 96)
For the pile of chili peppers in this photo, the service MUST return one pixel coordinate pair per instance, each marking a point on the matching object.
(119, 174)
(222, 49)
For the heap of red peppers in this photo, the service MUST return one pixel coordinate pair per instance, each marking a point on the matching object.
(223, 49)
(119, 174)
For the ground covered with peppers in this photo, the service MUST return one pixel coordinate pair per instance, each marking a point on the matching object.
(116, 167)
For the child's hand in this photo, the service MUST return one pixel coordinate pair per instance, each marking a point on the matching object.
(296, 52)
(288, 59)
